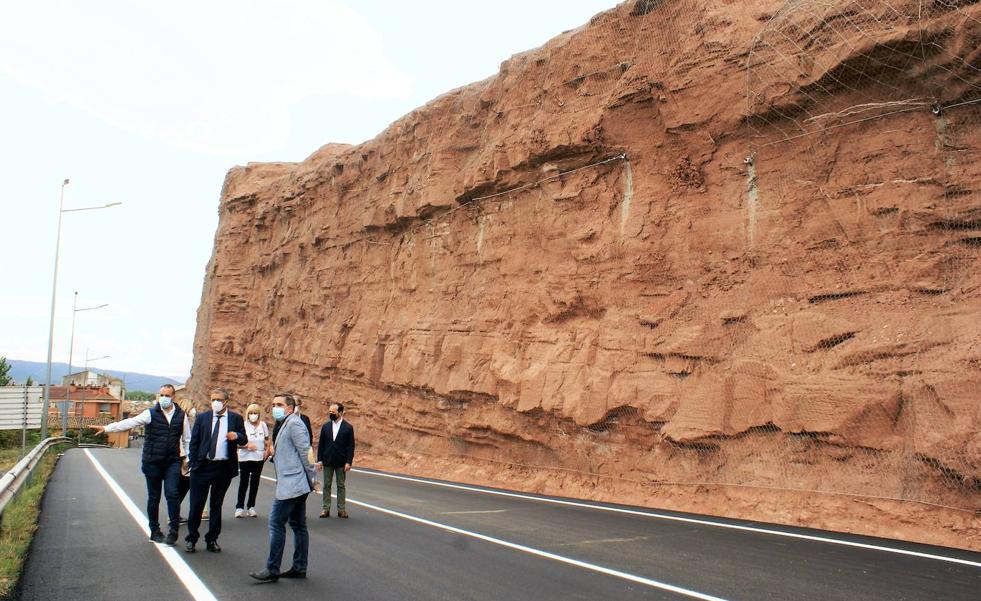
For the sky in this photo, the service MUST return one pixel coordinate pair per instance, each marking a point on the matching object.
(150, 104)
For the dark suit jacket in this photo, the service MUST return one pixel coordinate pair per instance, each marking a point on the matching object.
(336, 453)
(201, 440)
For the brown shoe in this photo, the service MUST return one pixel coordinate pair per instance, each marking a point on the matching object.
(325, 514)
(342, 514)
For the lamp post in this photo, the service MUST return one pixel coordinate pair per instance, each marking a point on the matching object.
(87, 359)
(54, 291)
(71, 350)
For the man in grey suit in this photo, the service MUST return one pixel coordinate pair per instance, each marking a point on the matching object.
(295, 479)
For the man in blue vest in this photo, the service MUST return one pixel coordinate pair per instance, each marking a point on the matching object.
(167, 434)
(213, 458)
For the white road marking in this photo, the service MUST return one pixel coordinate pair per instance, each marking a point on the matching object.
(472, 512)
(538, 552)
(190, 580)
(688, 520)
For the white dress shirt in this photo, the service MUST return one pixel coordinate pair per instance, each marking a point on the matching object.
(221, 449)
(335, 428)
(144, 418)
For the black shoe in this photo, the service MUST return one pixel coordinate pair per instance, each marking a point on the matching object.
(291, 573)
(156, 536)
(189, 547)
(213, 547)
(264, 576)
(171, 539)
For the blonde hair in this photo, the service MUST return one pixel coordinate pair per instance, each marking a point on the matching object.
(254, 408)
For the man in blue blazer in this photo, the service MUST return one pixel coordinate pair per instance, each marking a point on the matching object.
(295, 480)
(213, 459)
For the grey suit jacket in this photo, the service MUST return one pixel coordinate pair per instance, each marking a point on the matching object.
(294, 474)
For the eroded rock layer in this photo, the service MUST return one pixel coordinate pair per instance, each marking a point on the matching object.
(719, 257)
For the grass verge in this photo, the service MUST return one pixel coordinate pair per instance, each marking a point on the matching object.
(19, 521)
(8, 459)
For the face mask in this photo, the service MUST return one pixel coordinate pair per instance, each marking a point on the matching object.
(333, 417)
(278, 413)
(253, 417)
(166, 402)
(217, 406)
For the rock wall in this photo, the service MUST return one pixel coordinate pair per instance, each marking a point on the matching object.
(718, 257)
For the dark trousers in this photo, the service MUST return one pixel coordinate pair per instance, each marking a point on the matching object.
(332, 473)
(183, 487)
(213, 477)
(293, 511)
(249, 473)
(167, 474)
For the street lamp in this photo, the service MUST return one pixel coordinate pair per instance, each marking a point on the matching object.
(71, 349)
(54, 290)
(87, 359)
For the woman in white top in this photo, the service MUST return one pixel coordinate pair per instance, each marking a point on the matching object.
(251, 458)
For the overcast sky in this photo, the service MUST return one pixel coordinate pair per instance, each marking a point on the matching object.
(149, 104)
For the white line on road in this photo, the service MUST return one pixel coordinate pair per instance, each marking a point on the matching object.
(676, 518)
(183, 571)
(538, 552)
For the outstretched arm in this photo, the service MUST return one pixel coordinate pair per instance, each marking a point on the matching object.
(124, 425)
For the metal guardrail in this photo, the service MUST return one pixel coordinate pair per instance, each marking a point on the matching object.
(13, 481)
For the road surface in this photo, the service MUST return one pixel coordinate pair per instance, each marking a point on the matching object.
(413, 539)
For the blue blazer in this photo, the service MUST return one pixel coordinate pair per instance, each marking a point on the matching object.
(201, 440)
(294, 474)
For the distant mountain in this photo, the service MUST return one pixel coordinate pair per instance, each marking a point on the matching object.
(20, 370)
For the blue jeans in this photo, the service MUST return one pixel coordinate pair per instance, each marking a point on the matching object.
(295, 511)
(168, 474)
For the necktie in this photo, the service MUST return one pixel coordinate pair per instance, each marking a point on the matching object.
(214, 438)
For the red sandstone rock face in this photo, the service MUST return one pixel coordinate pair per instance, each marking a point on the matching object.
(715, 257)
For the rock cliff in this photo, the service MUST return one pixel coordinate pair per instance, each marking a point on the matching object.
(711, 256)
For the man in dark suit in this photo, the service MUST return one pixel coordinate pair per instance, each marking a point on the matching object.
(335, 455)
(213, 459)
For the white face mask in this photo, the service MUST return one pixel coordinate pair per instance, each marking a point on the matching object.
(217, 406)
(253, 417)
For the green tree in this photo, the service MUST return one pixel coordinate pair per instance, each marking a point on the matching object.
(4, 372)
(29, 382)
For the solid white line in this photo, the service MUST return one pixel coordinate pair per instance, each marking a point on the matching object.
(675, 518)
(538, 552)
(190, 580)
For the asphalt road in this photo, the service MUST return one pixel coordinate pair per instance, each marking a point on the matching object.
(424, 540)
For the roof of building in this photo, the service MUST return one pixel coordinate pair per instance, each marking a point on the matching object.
(83, 393)
(108, 377)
